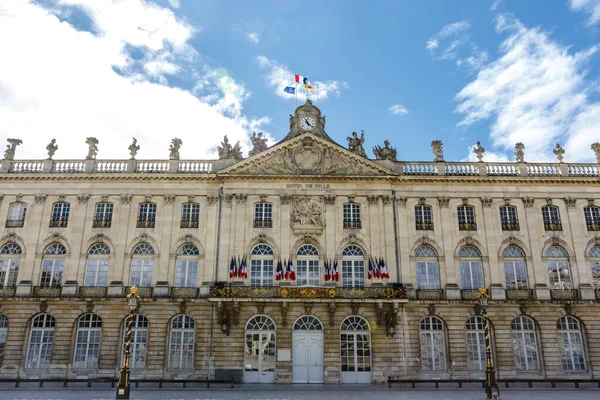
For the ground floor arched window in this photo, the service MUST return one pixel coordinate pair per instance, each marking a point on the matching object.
(525, 344)
(355, 350)
(433, 344)
(571, 344)
(259, 350)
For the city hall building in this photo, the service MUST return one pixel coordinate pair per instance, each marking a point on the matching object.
(306, 262)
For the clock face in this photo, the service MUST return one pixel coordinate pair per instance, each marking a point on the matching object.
(307, 123)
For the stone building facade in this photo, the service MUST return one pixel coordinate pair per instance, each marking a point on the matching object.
(306, 262)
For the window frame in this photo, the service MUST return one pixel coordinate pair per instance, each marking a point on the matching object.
(524, 336)
(556, 266)
(594, 260)
(429, 336)
(43, 354)
(262, 266)
(190, 215)
(567, 330)
(53, 259)
(477, 333)
(351, 216)
(466, 218)
(16, 219)
(423, 217)
(60, 214)
(146, 217)
(551, 218)
(146, 262)
(308, 266)
(263, 215)
(513, 263)
(10, 262)
(3, 336)
(473, 265)
(92, 329)
(592, 217)
(139, 341)
(353, 267)
(101, 262)
(186, 267)
(431, 267)
(182, 328)
(103, 213)
(509, 218)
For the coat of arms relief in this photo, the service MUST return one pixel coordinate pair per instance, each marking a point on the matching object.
(307, 213)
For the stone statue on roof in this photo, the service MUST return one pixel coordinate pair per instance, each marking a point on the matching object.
(355, 144)
(227, 151)
(386, 152)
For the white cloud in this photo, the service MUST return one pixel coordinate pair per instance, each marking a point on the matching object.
(488, 156)
(535, 93)
(398, 109)
(448, 43)
(591, 7)
(253, 37)
(111, 83)
(279, 76)
(175, 3)
(456, 30)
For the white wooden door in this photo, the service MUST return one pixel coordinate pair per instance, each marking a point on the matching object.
(259, 358)
(307, 357)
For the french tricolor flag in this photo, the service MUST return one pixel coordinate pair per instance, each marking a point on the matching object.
(301, 79)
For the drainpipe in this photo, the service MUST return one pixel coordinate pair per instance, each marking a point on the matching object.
(210, 346)
(396, 236)
(216, 270)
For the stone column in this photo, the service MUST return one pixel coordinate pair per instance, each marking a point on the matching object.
(34, 232)
(208, 222)
(581, 272)
(534, 234)
(165, 224)
(491, 228)
(405, 243)
(332, 226)
(285, 230)
(448, 266)
(389, 253)
(77, 226)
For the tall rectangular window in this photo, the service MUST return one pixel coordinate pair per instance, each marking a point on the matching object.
(508, 218)
(428, 275)
(186, 273)
(146, 215)
(190, 215)
(261, 272)
(60, 215)
(103, 215)
(592, 218)
(263, 215)
(16, 215)
(423, 220)
(141, 272)
(466, 218)
(52, 272)
(351, 216)
(551, 217)
(307, 273)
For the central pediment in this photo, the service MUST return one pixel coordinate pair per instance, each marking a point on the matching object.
(307, 155)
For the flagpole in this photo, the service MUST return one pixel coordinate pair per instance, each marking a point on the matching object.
(296, 92)
(317, 92)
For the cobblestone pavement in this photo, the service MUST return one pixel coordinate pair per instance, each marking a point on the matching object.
(329, 392)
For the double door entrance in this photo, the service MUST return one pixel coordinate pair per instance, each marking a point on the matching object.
(307, 350)
(259, 350)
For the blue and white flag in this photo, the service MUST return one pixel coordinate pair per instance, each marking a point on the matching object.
(290, 90)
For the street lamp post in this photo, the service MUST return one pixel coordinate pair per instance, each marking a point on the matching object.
(491, 385)
(123, 387)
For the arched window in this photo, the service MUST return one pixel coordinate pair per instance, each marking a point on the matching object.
(353, 267)
(571, 344)
(87, 343)
(53, 265)
(142, 265)
(186, 266)
(261, 265)
(96, 268)
(594, 256)
(351, 214)
(427, 267)
(259, 351)
(355, 344)
(60, 214)
(10, 261)
(308, 323)
(433, 344)
(190, 215)
(509, 218)
(476, 343)
(551, 216)
(525, 344)
(559, 272)
(471, 268)
(466, 218)
(592, 218)
(307, 266)
(181, 343)
(103, 215)
(515, 268)
(423, 218)
(146, 215)
(3, 334)
(139, 341)
(41, 337)
(263, 215)
(16, 215)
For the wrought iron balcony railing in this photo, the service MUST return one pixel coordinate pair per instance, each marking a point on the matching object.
(593, 227)
(469, 294)
(509, 225)
(263, 223)
(59, 222)
(519, 294)
(430, 294)
(307, 292)
(145, 292)
(424, 226)
(189, 223)
(564, 294)
(102, 222)
(92, 291)
(8, 291)
(47, 291)
(15, 223)
(184, 292)
(553, 226)
(145, 223)
(352, 224)
(467, 226)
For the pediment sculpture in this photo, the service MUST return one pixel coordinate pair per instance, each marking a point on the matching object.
(259, 143)
(355, 144)
(386, 152)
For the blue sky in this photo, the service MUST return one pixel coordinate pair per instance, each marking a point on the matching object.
(407, 71)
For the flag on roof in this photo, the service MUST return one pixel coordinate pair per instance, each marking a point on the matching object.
(290, 90)
(308, 87)
(300, 78)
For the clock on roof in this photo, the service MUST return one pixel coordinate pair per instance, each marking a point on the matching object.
(307, 123)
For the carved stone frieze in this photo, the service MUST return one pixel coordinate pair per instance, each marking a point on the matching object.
(443, 201)
(83, 198)
(570, 202)
(528, 201)
(228, 197)
(308, 308)
(263, 198)
(507, 201)
(372, 199)
(354, 307)
(465, 201)
(329, 198)
(401, 201)
(351, 198)
(126, 198)
(307, 212)
(486, 201)
(241, 198)
(212, 199)
(169, 198)
(387, 199)
(285, 199)
(40, 198)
